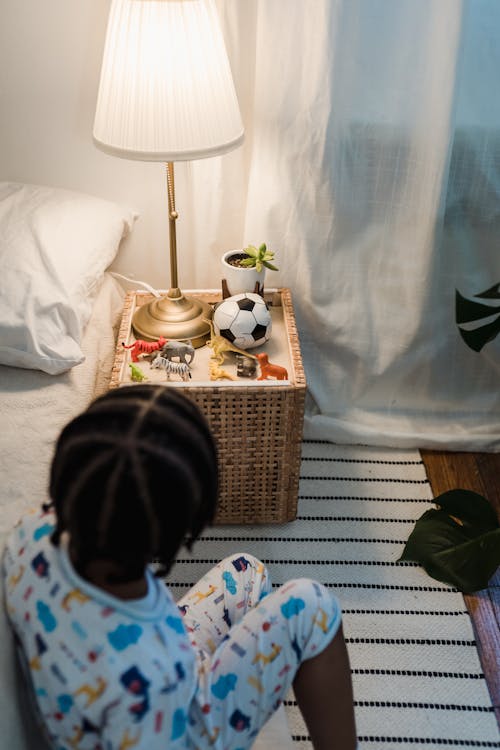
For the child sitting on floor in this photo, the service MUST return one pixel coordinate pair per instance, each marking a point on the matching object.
(114, 661)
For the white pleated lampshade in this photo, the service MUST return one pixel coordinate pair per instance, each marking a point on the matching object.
(166, 91)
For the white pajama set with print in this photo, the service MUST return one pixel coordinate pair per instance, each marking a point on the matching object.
(151, 674)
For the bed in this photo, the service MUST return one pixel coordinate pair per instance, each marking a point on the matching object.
(59, 314)
(34, 406)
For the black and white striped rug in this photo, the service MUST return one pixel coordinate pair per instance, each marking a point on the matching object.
(416, 673)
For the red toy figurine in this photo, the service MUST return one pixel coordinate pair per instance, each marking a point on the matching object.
(268, 369)
(144, 347)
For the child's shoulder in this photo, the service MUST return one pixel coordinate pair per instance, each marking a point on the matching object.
(35, 524)
(32, 530)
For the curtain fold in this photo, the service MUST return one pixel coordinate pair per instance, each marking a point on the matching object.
(372, 167)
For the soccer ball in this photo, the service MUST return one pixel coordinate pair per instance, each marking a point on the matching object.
(243, 319)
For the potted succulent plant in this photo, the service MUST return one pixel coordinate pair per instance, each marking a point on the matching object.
(244, 270)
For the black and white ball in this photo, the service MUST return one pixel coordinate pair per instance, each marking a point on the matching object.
(244, 320)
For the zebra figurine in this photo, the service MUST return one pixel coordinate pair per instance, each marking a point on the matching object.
(177, 368)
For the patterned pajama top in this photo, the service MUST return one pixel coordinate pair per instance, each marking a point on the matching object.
(151, 674)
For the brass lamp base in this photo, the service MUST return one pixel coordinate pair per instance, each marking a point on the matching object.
(173, 316)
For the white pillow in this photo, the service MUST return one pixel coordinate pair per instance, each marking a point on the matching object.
(54, 248)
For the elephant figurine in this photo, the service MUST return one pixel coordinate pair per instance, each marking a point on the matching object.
(178, 349)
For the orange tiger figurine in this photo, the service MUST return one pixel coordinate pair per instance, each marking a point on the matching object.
(144, 347)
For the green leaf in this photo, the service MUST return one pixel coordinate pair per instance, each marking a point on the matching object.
(482, 335)
(470, 507)
(258, 258)
(465, 552)
(468, 566)
(248, 262)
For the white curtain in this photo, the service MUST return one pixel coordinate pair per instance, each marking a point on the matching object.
(372, 167)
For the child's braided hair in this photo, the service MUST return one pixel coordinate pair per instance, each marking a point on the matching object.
(133, 478)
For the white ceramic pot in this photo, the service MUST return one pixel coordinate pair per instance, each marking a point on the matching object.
(238, 279)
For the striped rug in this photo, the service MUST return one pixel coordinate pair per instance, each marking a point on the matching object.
(416, 673)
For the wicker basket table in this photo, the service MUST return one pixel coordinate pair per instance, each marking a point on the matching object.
(257, 424)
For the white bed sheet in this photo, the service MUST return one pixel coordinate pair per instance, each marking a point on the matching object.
(35, 406)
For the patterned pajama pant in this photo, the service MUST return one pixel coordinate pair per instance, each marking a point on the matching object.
(249, 644)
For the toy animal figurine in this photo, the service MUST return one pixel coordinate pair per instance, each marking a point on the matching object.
(144, 347)
(178, 349)
(136, 374)
(221, 346)
(217, 372)
(267, 369)
(245, 367)
(177, 368)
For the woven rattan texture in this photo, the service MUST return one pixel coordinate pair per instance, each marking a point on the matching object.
(258, 428)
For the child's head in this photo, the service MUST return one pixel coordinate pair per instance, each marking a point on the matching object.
(133, 478)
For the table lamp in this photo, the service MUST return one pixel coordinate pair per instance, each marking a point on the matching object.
(166, 93)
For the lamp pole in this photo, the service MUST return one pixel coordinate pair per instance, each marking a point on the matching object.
(172, 218)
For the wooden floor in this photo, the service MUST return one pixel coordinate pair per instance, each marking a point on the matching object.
(479, 472)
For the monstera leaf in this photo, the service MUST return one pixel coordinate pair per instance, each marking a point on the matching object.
(458, 542)
(485, 319)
